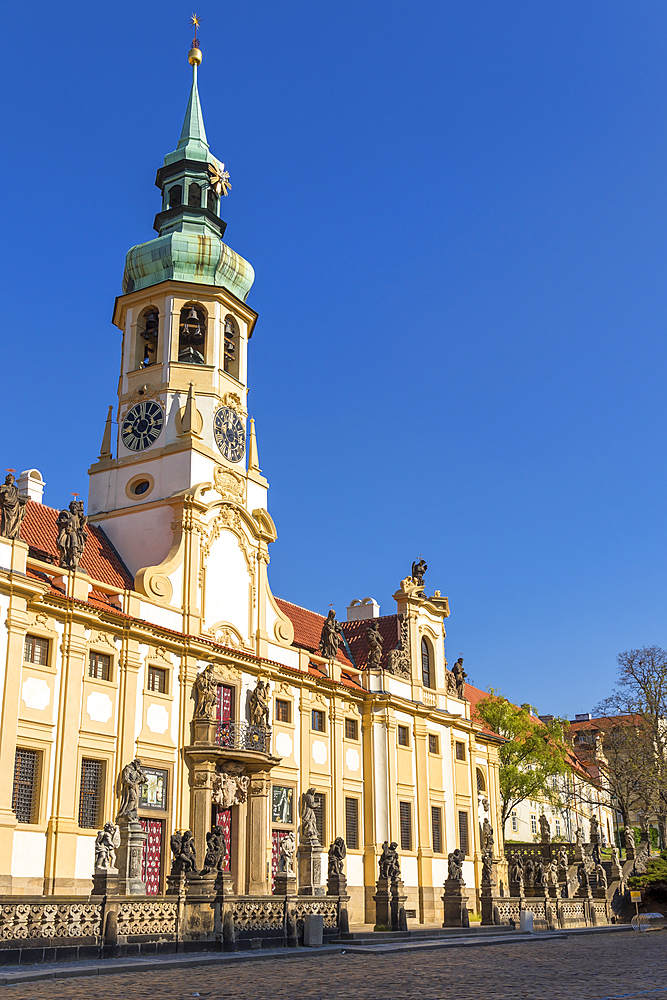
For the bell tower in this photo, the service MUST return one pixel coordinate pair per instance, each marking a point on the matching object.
(181, 418)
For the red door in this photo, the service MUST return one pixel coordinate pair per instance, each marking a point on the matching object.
(225, 703)
(151, 860)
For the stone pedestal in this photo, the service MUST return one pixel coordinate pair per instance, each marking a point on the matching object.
(486, 901)
(517, 889)
(336, 885)
(105, 882)
(284, 885)
(201, 885)
(398, 898)
(175, 885)
(382, 899)
(128, 858)
(224, 884)
(455, 900)
(310, 870)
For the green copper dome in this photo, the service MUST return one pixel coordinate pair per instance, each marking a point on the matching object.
(189, 246)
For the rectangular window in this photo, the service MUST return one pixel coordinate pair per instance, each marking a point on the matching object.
(282, 799)
(433, 742)
(26, 782)
(460, 751)
(403, 736)
(319, 810)
(157, 679)
(318, 721)
(351, 729)
(405, 816)
(36, 650)
(463, 832)
(515, 821)
(352, 823)
(283, 710)
(99, 666)
(533, 823)
(436, 828)
(153, 794)
(558, 828)
(90, 793)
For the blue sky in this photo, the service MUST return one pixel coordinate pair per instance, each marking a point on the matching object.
(457, 216)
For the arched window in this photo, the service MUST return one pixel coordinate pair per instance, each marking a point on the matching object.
(192, 335)
(194, 196)
(231, 347)
(148, 331)
(481, 782)
(211, 202)
(175, 196)
(426, 664)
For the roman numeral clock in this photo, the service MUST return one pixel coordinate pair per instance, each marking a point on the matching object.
(142, 425)
(229, 433)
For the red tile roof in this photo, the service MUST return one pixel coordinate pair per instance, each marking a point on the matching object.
(355, 633)
(308, 629)
(100, 560)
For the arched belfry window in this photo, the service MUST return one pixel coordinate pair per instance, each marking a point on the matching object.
(148, 331)
(481, 782)
(426, 664)
(212, 202)
(231, 347)
(194, 196)
(192, 335)
(175, 196)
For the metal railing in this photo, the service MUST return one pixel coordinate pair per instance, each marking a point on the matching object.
(242, 736)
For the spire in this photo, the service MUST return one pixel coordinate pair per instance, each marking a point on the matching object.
(106, 439)
(193, 131)
(253, 457)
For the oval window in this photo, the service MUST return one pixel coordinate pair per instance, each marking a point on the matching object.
(141, 487)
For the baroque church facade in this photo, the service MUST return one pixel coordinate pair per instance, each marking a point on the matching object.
(147, 630)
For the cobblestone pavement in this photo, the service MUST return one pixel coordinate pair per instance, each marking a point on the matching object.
(586, 968)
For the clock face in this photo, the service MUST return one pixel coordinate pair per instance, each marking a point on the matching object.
(229, 434)
(142, 425)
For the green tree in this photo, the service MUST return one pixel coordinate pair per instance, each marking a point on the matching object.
(533, 754)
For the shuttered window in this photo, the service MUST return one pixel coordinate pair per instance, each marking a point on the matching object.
(436, 829)
(352, 823)
(26, 777)
(405, 812)
(319, 810)
(463, 832)
(90, 794)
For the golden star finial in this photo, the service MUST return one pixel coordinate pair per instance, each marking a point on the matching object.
(194, 20)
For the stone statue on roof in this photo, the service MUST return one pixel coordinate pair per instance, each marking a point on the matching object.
(374, 646)
(330, 637)
(459, 676)
(72, 534)
(12, 508)
(418, 570)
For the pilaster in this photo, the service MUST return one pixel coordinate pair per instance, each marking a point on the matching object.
(257, 835)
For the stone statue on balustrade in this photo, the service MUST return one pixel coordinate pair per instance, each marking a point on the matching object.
(487, 869)
(595, 830)
(206, 693)
(330, 637)
(601, 877)
(337, 852)
(487, 836)
(538, 872)
(260, 699)
(72, 534)
(517, 870)
(389, 863)
(107, 843)
(545, 829)
(184, 861)
(286, 858)
(529, 871)
(216, 849)
(132, 777)
(459, 675)
(12, 508)
(308, 820)
(374, 640)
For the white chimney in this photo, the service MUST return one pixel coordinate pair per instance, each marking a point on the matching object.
(31, 485)
(358, 610)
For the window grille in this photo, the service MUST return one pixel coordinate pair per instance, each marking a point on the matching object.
(403, 736)
(460, 751)
(318, 722)
(24, 794)
(351, 730)
(319, 809)
(157, 679)
(36, 650)
(352, 823)
(436, 829)
(283, 713)
(463, 832)
(515, 821)
(90, 794)
(481, 783)
(100, 666)
(405, 813)
(426, 664)
(433, 743)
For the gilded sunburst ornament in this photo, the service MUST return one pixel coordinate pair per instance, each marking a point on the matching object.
(219, 179)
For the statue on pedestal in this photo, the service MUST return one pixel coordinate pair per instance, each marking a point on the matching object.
(12, 508)
(286, 859)
(216, 848)
(459, 675)
(337, 852)
(106, 844)
(185, 856)
(330, 637)
(517, 871)
(389, 863)
(72, 534)
(455, 866)
(260, 700)
(308, 820)
(374, 646)
(131, 779)
(487, 836)
(206, 693)
(418, 570)
(545, 829)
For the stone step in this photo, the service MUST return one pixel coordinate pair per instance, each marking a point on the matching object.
(423, 934)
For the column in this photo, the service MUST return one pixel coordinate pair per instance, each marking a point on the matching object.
(423, 826)
(257, 833)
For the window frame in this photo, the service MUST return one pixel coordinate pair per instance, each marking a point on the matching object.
(434, 744)
(284, 702)
(464, 823)
(322, 716)
(357, 822)
(459, 745)
(436, 812)
(36, 785)
(515, 821)
(533, 824)
(405, 814)
(402, 736)
(354, 724)
(321, 816)
(427, 673)
(101, 792)
(37, 639)
(164, 672)
(111, 666)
